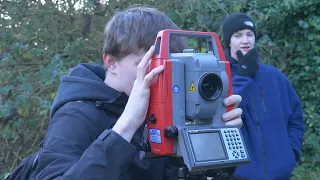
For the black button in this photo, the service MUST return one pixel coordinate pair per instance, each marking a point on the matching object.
(171, 132)
(153, 119)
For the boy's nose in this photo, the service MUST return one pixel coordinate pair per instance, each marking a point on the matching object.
(244, 39)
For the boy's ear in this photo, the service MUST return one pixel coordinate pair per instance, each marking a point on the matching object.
(109, 62)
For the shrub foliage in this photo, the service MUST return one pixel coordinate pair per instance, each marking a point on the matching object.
(39, 42)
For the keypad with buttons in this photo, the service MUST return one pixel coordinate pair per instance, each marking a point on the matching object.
(233, 143)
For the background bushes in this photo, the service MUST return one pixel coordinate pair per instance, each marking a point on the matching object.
(39, 42)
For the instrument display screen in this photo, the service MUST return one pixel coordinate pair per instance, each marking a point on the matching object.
(207, 146)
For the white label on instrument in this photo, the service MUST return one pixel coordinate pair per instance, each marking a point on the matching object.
(155, 136)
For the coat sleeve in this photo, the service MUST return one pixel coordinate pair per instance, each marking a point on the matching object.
(72, 151)
(296, 126)
(240, 86)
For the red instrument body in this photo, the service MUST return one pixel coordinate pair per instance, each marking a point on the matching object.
(161, 105)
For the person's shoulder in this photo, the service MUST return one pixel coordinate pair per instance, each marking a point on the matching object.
(76, 106)
(273, 71)
(80, 109)
(84, 112)
(269, 68)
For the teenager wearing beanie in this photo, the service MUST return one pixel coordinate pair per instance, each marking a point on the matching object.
(273, 125)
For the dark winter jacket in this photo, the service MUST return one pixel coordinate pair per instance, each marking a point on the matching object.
(79, 144)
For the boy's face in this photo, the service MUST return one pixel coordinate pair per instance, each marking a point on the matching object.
(242, 40)
(122, 73)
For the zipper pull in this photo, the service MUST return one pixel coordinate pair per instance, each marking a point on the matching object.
(262, 101)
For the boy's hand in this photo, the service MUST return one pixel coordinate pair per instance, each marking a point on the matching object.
(233, 117)
(136, 109)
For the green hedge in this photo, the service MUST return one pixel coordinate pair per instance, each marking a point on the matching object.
(40, 42)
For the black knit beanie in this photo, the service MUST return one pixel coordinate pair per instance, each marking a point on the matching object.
(236, 22)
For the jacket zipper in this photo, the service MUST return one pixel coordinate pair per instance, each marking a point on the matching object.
(262, 101)
(262, 144)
